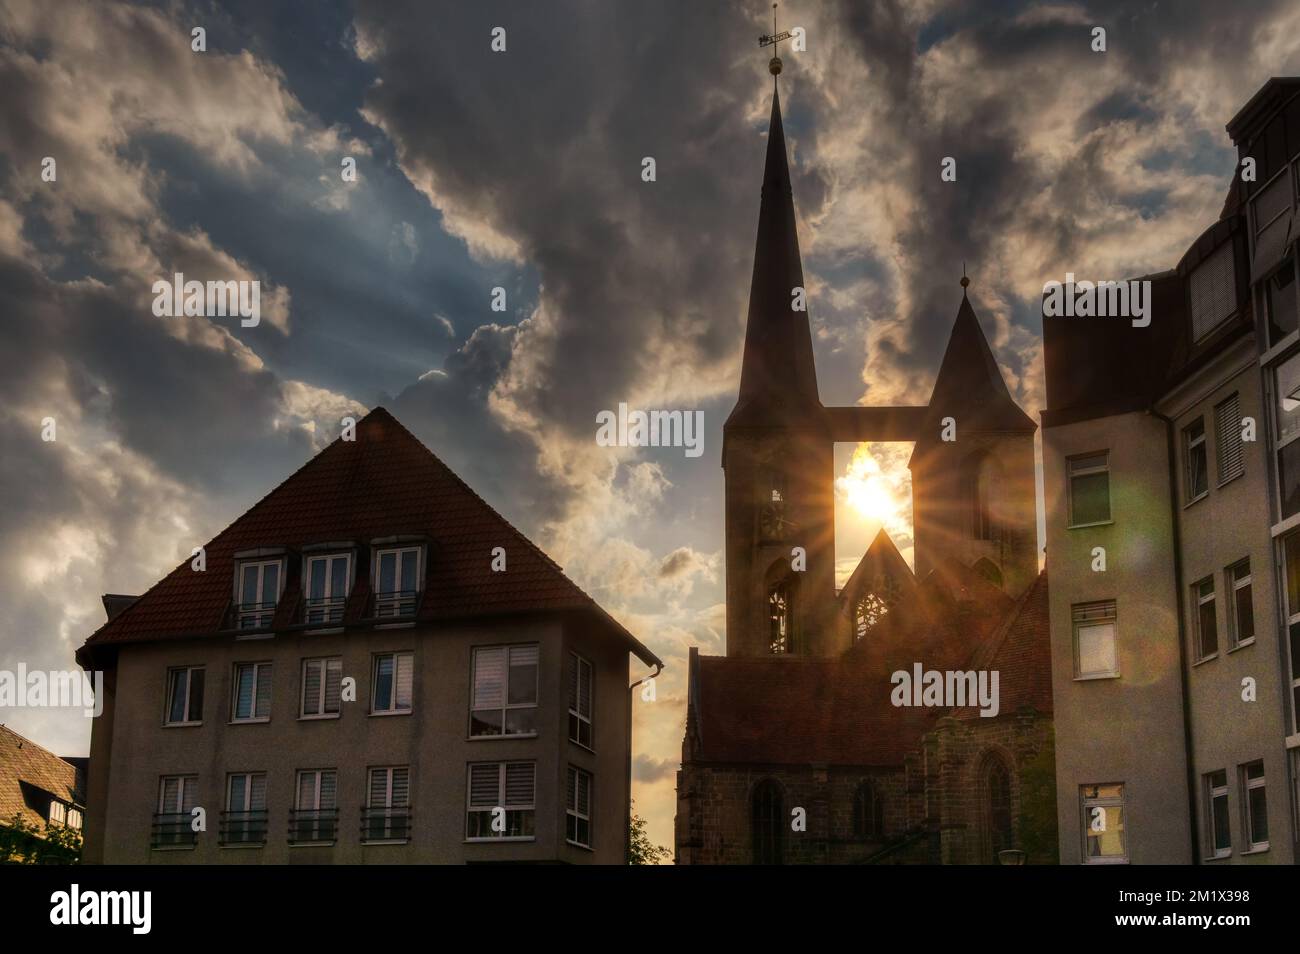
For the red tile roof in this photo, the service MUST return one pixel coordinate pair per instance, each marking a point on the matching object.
(23, 761)
(384, 483)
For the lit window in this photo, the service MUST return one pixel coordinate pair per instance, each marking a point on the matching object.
(1196, 460)
(74, 819)
(322, 680)
(252, 701)
(867, 612)
(500, 802)
(1205, 617)
(58, 813)
(1241, 613)
(1089, 489)
(328, 578)
(1254, 800)
(397, 581)
(505, 691)
(780, 635)
(391, 689)
(580, 692)
(185, 696)
(259, 591)
(577, 814)
(1095, 653)
(1216, 796)
(1103, 824)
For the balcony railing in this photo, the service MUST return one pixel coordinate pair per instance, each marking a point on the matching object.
(173, 830)
(307, 827)
(323, 610)
(254, 615)
(243, 828)
(395, 604)
(385, 824)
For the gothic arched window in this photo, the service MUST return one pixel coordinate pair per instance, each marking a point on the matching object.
(868, 813)
(780, 616)
(867, 612)
(767, 822)
(996, 807)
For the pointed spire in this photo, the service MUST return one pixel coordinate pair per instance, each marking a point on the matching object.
(778, 379)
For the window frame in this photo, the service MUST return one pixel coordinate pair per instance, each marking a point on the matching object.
(1292, 634)
(572, 808)
(62, 813)
(470, 808)
(1071, 473)
(1248, 785)
(1232, 584)
(297, 825)
(324, 713)
(576, 719)
(247, 826)
(267, 608)
(507, 705)
(394, 709)
(1199, 600)
(330, 599)
(395, 816)
(1088, 802)
(1191, 445)
(169, 696)
(1212, 793)
(1076, 622)
(394, 598)
(1278, 440)
(235, 718)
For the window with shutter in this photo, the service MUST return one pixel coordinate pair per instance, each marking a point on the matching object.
(504, 700)
(392, 683)
(315, 818)
(1213, 291)
(387, 813)
(252, 701)
(578, 811)
(1095, 654)
(580, 691)
(171, 825)
(500, 802)
(244, 820)
(321, 681)
(1227, 426)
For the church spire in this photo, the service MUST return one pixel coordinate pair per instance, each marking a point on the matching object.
(778, 380)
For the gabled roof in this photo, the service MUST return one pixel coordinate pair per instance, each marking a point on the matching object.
(969, 385)
(881, 558)
(778, 378)
(28, 773)
(1021, 653)
(385, 483)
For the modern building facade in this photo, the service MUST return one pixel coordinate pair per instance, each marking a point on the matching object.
(796, 749)
(1169, 483)
(369, 666)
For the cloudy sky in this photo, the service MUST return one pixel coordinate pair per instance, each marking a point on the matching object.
(522, 170)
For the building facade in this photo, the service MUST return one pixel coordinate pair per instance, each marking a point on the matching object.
(796, 749)
(1170, 514)
(369, 666)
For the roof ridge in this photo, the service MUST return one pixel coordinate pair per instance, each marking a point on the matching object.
(52, 755)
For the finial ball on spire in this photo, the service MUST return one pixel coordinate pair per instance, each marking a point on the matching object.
(964, 281)
(774, 66)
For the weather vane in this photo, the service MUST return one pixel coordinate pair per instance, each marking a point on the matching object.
(774, 39)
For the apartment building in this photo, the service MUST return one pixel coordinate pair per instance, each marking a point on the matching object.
(369, 666)
(1167, 476)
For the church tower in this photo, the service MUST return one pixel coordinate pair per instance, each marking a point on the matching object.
(973, 497)
(777, 450)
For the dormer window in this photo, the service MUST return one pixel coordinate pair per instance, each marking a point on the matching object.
(329, 579)
(397, 581)
(259, 591)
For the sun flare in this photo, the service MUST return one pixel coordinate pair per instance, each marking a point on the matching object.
(879, 494)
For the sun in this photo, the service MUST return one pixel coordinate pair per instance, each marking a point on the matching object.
(875, 494)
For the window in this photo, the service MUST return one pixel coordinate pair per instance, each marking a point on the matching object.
(981, 488)
(505, 691)
(172, 822)
(315, 815)
(996, 796)
(1254, 802)
(1196, 466)
(1089, 489)
(577, 815)
(867, 612)
(74, 819)
(185, 696)
(1292, 547)
(767, 822)
(780, 617)
(580, 689)
(1241, 612)
(1213, 290)
(1094, 640)
(58, 813)
(391, 689)
(1227, 432)
(1286, 385)
(328, 579)
(1216, 800)
(868, 813)
(252, 701)
(397, 576)
(1279, 301)
(388, 813)
(1103, 824)
(1206, 620)
(244, 820)
(500, 800)
(321, 682)
(259, 591)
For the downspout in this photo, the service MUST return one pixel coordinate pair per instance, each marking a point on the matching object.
(1171, 453)
(627, 820)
